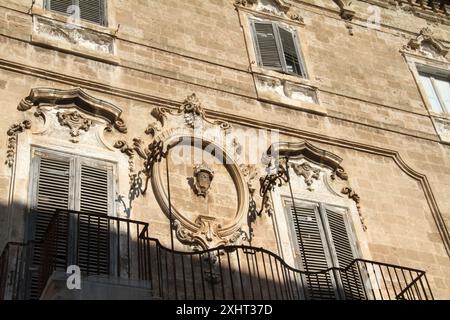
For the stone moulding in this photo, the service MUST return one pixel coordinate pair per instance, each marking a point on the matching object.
(75, 98)
(278, 8)
(282, 150)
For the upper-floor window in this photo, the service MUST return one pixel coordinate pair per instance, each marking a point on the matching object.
(89, 10)
(277, 48)
(437, 89)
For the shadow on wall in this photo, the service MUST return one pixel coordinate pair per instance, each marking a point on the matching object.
(119, 254)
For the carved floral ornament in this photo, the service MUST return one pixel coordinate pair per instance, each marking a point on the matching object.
(280, 8)
(304, 150)
(426, 44)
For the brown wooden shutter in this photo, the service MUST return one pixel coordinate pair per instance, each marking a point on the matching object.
(310, 239)
(268, 51)
(53, 192)
(93, 232)
(290, 51)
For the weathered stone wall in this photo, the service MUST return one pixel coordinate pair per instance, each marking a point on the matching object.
(165, 50)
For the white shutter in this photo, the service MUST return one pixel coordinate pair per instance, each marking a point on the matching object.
(267, 48)
(431, 94)
(443, 88)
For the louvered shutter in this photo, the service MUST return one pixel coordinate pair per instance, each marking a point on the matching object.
(93, 10)
(93, 233)
(268, 51)
(342, 253)
(60, 6)
(90, 10)
(290, 51)
(53, 192)
(310, 240)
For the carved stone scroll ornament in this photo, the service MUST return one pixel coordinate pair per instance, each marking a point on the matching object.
(426, 44)
(207, 234)
(268, 184)
(13, 132)
(74, 98)
(355, 197)
(275, 7)
(75, 121)
(307, 172)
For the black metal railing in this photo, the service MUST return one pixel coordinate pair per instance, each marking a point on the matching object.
(116, 247)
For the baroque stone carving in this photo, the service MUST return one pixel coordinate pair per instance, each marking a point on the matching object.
(280, 8)
(347, 13)
(427, 45)
(207, 234)
(74, 98)
(355, 197)
(307, 172)
(13, 132)
(203, 177)
(75, 121)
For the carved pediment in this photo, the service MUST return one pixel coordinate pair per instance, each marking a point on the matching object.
(74, 98)
(427, 45)
(280, 8)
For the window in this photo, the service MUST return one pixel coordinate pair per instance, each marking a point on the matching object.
(73, 183)
(89, 10)
(437, 89)
(277, 48)
(323, 240)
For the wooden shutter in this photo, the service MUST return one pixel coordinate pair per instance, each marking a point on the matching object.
(60, 6)
(267, 48)
(313, 251)
(342, 253)
(90, 10)
(93, 11)
(53, 192)
(290, 52)
(93, 231)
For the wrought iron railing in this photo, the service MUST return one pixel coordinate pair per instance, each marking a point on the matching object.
(115, 247)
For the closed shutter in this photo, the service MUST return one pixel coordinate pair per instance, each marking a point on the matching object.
(90, 10)
(60, 6)
(342, 254)
(93, 10)
(53, 192)
(267, 45)
(290, 52)
(310, 240)
(93, 233)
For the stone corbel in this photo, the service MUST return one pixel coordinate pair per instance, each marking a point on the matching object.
(347, 13)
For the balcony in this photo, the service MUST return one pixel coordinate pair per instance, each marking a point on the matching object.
(117, 256)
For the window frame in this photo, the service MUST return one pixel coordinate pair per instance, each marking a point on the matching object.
(434, 75)
(275, 28)
(104, 18)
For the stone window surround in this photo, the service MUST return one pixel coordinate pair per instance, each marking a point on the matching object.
(38, 11)
(418, 63)
(245, 17)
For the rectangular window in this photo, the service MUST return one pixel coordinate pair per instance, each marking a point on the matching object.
(277, 48)
(89, 10)
(323, 240)
(437, 89)
(70, 182)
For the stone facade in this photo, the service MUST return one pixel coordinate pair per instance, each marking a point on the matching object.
(113, 90)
